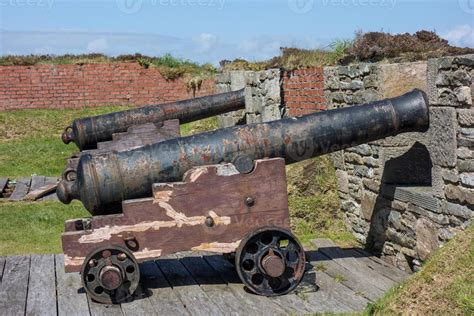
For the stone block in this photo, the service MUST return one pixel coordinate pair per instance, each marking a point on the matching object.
(332, 82)
(366, 96)
(442, 136)
(368, 203)
(223, 78)
(352, 85)
(394, 219)
(466, 117)
(400, 238)
(466, 60)
(465, 153)
(399, 205)
(426, 238)
(342, 181)
(457, 210)
(337, 159)
(271, 113)
(237, 80)
(431, 75)
(252, 118)
(463, 95)
(399, 78)
(371, 185)
(467, 179)
(462, 195)
(437, 218)
(353, 158)
(363, 150)
(465, 165)
(451, 176)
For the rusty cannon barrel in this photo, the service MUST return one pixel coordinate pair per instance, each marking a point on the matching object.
(104, 181)
(87, 132)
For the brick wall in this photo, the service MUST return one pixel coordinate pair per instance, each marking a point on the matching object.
(303, 91)
(73, 86)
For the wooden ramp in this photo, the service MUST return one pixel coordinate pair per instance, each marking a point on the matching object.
(337, 280)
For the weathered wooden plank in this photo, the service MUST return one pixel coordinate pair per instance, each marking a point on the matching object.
(2, 266)
(50, 180)
(41, 286)
(40, 192)
(71, 297)
(3, 184)
(14, 287)
(260, 304)
(381, 266)
(99, 309)
(21, 189)
(37, 182)
(346, 260)
(139, 304)
(355, 282)
(194, 298)
(160, 293)
(335, 297)
(215, 287)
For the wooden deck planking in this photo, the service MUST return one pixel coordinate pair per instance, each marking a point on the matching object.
(21, 189)
(14, 286)
(71, 297)
(213, 285)
(260, 304)
(37, 182)
(41, 286)
(381, 266)
(353, 281)
(354, 265)
(196, 284)
(197, 302)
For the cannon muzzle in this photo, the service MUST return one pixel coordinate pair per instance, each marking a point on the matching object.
(87, 132)
(104, 181)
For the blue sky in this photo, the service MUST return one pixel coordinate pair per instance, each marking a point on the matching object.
(211, 30)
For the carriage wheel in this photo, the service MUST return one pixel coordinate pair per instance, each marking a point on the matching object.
(110, 274)
(270, 261)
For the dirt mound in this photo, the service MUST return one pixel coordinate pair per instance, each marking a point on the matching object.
(377, 46)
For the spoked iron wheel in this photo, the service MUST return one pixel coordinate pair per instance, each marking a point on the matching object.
(270, 261)
(110, 274)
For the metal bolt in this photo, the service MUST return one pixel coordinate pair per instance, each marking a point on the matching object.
(249, 201)
(106, 253)
(209, 221)
(92, 263)
(121, 256)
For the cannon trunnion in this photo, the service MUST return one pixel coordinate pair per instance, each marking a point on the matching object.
(222, 191)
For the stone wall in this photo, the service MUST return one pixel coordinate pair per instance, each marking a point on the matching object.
(405, 196)
(262, 96)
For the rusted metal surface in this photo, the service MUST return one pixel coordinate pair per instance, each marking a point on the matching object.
(104, 181)
(87, 132)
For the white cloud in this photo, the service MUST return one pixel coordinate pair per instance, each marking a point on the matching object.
(461, 35)
(206, 42)
(97, 46)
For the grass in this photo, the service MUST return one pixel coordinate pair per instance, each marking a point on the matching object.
(445, 286)
(34, 227)
(314, 202)
(170, 67)
(30, 140)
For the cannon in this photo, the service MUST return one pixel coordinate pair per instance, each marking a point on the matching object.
(87, 132)
(221, 191)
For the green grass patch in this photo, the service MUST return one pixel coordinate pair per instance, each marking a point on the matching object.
(34, 227)
(314, 202)
(445, 286)
(30, 140)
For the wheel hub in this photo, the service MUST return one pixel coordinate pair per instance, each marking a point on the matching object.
(110, 277)
(273, 264)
